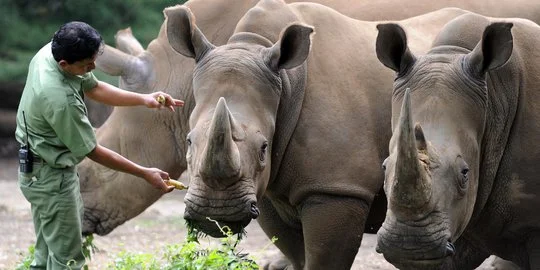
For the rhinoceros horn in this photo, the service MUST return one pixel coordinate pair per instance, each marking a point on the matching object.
(126, 42)
(221, 160)
(118, 63)
(412, 186)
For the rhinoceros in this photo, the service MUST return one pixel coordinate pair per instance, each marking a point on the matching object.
(127, 130)
(462, 174)
(288, 135)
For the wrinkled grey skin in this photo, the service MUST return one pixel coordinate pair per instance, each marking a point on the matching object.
(251, 91)
(237, 89)
(158, 138)
(462, 171)
(253, 141)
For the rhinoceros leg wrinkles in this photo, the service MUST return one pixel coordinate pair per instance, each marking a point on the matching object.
(325, 219)
(290, 240)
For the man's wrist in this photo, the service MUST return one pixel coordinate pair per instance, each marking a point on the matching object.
(140, 171)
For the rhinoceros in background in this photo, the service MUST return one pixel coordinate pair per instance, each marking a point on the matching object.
(128, 130)
(298, 137)
(463, 170)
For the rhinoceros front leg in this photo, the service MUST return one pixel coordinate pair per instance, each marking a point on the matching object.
(290, 240)
(333, 227)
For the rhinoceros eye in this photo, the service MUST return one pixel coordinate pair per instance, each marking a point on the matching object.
(264, 148)
(464, 177)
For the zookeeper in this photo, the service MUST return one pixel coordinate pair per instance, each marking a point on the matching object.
(55, 135)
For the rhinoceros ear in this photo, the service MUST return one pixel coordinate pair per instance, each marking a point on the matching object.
(493, 50)
(184, 35)
(392, 49)
(292, 49)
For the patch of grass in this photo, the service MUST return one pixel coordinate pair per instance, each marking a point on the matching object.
(190, 255)
(129, 261)
(27, 259)
(88, 249)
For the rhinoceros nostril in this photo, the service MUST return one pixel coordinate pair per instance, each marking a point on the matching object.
(254, 211)
(450, 249)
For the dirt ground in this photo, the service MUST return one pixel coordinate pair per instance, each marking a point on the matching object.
(159, 225)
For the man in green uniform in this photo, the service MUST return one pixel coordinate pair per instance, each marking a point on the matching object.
(55, 135)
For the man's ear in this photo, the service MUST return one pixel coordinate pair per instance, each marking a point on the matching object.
(63, 63)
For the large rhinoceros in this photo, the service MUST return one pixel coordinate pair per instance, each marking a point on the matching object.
(462, 174)
(158, 139)
(298, 137)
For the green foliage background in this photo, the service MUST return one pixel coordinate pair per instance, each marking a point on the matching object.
(27, 25)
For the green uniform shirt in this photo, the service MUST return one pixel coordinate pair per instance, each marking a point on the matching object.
(58, 127)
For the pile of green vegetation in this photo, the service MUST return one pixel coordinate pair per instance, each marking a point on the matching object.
(27, 25)
(190, 255)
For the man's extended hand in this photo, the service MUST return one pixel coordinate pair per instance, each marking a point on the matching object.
(153, 101)
(156, 177)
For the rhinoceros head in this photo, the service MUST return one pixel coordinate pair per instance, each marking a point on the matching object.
(432, 173)
(237, 89)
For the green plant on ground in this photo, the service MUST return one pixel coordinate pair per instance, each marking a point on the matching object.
(190, 255)
(128, 261)
(27, 259)
(88, 249)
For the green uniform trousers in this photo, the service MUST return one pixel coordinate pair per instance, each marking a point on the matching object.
(57, 208)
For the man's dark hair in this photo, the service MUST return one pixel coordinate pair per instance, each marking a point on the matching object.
(75, 41)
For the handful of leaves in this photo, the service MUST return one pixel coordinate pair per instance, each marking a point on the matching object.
(176, 184)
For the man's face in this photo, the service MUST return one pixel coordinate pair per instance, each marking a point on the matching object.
(80, 67)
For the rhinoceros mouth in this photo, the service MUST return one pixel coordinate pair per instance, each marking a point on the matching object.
(421, 244)
(213, 225)
(423, 263)
(216, 228)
